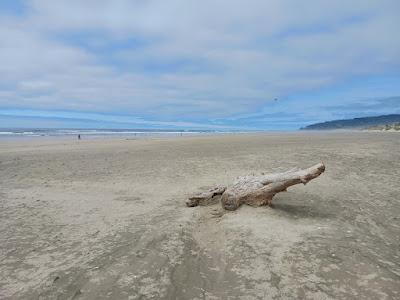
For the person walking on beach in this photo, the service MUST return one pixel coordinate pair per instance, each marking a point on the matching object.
(79, 136)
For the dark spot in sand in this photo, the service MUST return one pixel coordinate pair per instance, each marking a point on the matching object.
(77, 294)
(129, 199)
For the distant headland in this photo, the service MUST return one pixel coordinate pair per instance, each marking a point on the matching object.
(384, 122)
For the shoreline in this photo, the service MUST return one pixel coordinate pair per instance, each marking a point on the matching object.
(177, 135)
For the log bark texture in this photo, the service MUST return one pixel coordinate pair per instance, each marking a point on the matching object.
(257, 190)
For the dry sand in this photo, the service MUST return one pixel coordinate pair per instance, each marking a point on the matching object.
(106, 219)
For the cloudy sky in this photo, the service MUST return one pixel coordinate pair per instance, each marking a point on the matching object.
(254, 64)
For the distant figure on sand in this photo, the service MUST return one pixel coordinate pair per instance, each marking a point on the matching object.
(79, 136)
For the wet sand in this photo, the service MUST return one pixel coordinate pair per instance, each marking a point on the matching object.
(97, 219)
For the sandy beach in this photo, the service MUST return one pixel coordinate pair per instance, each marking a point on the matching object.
(106, 219)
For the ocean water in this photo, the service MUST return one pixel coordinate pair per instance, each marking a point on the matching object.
(12, 133)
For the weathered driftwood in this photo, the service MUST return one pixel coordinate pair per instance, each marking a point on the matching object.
(257, 190)
(206, 196)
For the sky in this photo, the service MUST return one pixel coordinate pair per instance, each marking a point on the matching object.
(185, 64)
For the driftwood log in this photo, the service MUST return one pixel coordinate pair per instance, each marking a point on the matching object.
(256, 190)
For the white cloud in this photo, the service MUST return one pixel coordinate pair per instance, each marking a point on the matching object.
(194, 59)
